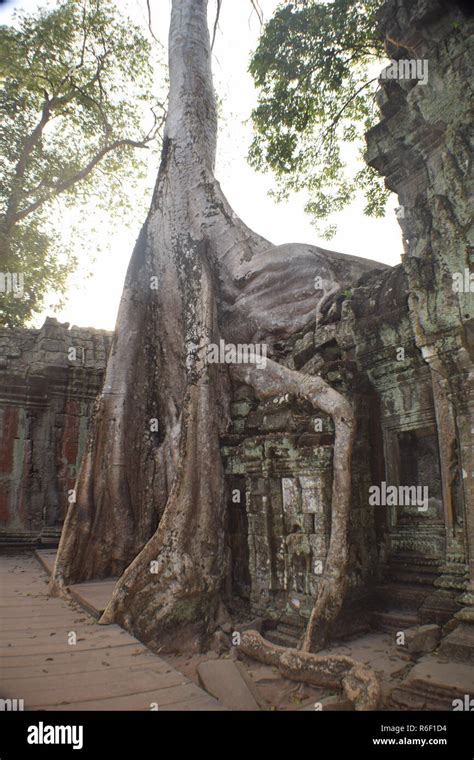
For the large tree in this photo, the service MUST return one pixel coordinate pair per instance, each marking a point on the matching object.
(150, 504)
(76, 105)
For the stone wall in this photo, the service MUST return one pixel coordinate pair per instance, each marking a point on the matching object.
(49, 379)
(278, 461)
(423, 148)
(400, 345)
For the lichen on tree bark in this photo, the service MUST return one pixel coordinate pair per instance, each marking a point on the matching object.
(144, 497)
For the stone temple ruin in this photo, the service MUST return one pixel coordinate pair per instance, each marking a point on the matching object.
(399, 343)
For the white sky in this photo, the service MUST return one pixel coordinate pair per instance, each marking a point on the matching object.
(94, 301)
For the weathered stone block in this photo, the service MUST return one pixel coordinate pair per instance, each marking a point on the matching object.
(252, 450)
(223, 680)
(318, 543)
(308, 523)
(422, 639)
(277, 421)
(303, 349)
(254, 419)
(240, 408)
(250, 625)
(313, 493)
(291, 496)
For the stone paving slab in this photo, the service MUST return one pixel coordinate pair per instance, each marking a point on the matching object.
(223, 679)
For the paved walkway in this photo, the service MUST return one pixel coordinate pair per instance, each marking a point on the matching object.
(105, 669)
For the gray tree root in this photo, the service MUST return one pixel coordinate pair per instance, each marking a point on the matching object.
(275, 380)
(358, 682)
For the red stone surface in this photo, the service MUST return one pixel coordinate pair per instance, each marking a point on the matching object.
(8, 434)
(4, 502)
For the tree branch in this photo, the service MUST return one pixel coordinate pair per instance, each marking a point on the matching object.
(22, 162)
(61, 187)
(256, 6)
(216, 23)
(50, 104)
(343, 108)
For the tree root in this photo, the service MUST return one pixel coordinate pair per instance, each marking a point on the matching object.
(277, 380)
(358, 682)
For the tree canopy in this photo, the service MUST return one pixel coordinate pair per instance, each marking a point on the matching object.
(76, 102)
(316, 97)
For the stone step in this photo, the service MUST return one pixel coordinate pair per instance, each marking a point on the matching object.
(291, 630)
(414, 580)
(281, 639)
(347, 630)
(49, 537)
(401, 596)
(18, 539)
(416, 575)
(394, 620)
(459, 644)
(409, 565)
(294, 621)
(434, 685)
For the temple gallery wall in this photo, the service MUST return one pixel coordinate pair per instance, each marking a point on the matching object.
(399, 343)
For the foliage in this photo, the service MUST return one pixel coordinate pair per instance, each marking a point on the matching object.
(316, 100)
(75, 100)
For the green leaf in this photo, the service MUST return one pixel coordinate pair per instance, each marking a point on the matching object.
(315, 97)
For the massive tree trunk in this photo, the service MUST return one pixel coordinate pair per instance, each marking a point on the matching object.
(150, 505)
